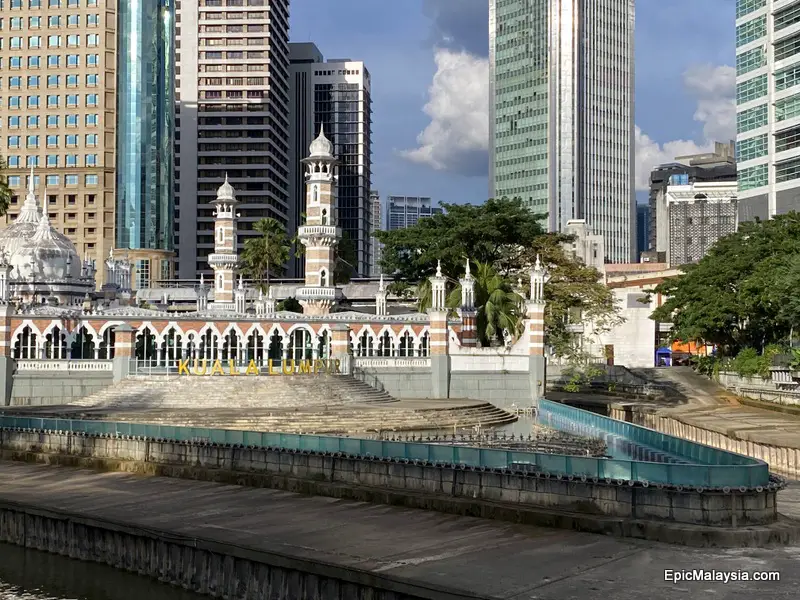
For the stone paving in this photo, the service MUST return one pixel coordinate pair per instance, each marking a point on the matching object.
(477, 558)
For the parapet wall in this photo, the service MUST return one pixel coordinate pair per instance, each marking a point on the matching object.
(51, 388)
(604, 506)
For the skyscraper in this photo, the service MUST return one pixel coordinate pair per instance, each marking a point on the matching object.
(232, 117)
(561, 126)
(376, 224)
(145, 132)
(767, 105)
(406, 211)
(340, 92)
(58, 114)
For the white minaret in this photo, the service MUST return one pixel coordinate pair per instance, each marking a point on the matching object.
(320, 235)
(225, 257)
(380, 299)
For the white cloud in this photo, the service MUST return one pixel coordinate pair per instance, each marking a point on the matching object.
(714, 88)
(457, 138)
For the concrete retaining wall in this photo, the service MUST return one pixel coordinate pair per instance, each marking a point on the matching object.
(212, 568)
(759, 389)
(475, 492)
(783, 461)
(46, 388)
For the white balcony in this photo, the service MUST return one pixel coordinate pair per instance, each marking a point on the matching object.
(320, 230)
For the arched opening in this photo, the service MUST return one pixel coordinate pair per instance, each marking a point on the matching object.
(324, 216)
(385, 344)
(171, 347)
(209, 346)
(324, 346)
(323, 278)
(25, 343)
(55, 344)
(406, 345)
(146, 347)
(424, 344)
(366, 345)
(275, 347)
(106, 351)
(300, 345)
(230, 346)
(255, 347)
(83, 346)
(190, 348)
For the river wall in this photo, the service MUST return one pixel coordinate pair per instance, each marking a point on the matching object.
(615, 507)
(212, 568)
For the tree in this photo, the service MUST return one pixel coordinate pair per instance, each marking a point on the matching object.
(574, 295)
(742, 293)
(266, 255)
(5, 191)
(289, 305)
(495, 233)
(345, 256)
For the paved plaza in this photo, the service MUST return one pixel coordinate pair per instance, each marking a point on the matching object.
(464, 557)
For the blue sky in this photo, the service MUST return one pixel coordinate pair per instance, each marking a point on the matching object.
(428, 67)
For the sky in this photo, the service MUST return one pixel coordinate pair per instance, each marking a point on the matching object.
(429, 68)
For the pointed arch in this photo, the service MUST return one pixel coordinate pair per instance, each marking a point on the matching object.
(406, 342)
(424, 343)
(82, 345)
(275, 344)
(366, 343)
(26, 341)
(171, 345)
(54, 342)
(146, 347)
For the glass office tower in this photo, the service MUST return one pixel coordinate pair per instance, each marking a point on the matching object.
(145, 130)
(562, 129)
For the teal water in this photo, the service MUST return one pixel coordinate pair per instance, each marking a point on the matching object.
(33, 575)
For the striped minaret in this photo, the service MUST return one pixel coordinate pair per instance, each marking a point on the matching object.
(440, 357)
(467, 311)
(535, 313)
(225, 256)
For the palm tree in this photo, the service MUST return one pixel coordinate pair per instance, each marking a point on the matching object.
(5, 191)
(500, 308)
(268, 254)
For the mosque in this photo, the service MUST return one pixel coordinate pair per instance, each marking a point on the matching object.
(52, 312)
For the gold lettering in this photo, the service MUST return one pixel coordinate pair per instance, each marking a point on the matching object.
(319, 365)
(252, 369)
(217, 368)
(183, 367)
(305, 366)
(336, 366)
(232, 367)
(270, 370)
(328, 366)
(291, 367)
(197, 371)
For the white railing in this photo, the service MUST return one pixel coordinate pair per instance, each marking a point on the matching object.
(391, 363)
(64, 365)
(312, 292)
(320, 230)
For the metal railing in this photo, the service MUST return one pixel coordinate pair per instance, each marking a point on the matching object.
(712, 468)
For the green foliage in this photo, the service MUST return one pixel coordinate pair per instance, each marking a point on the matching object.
(289, 305)
(496, 233)
(5, 191)
(747, 363)
(502, 238)
(743, 293)
(582, 371)
(267, 255)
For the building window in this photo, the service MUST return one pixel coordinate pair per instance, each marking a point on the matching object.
(751, 30)
(142, 274)
(787, 108)
(752, 118)
(91, 180)
(52, 180)
(71, 179)
(753, 177)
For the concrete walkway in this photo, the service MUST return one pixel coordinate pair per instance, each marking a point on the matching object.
(473, 557)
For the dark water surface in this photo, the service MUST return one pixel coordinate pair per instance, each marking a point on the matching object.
(34, 575)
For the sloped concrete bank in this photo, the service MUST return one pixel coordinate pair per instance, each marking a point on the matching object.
(209, 567)
(782, 460)
(615, 508)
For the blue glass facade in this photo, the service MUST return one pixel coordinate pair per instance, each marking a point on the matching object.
(145, 124)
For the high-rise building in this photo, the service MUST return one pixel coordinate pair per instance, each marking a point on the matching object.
(561, 125)
(711, 167)
(642, 229)
(767, 104)
(58, 114)
(334, 96)
(376, 224)
(232, 117)
(405, 211)
(145, 130)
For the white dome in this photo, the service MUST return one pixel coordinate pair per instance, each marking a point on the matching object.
(46, 256)
(34, 249)
(225, 191)
(321, 146)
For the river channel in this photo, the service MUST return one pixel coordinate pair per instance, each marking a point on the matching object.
(32, 575)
